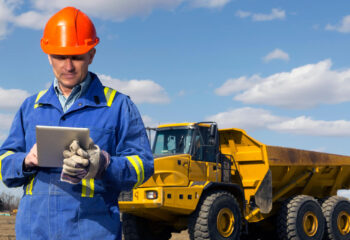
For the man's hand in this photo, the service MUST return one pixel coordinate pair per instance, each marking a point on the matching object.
(79, 163)
(75, 164)
(31, 160)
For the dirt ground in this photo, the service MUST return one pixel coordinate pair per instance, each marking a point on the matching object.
(180, 236)
(7, 230)
(7, 227)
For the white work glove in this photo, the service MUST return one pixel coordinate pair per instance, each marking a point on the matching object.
(79, 163)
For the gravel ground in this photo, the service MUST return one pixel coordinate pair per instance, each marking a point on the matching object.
(7, 227)
(180, 236)
(7, 230)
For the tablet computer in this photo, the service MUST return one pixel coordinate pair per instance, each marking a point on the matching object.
(52, 141)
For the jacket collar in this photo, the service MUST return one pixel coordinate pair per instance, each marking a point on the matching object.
(94, 96)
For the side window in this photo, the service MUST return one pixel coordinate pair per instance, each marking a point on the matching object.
(198, 147)
(171, 145)
(159, 144)
(203, 151)
(187, 144)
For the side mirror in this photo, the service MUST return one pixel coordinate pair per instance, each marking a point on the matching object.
(213, 129)
(212, 134)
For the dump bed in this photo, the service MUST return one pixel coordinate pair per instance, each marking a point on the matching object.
(282, 156)
(293, 171)
(318, 174)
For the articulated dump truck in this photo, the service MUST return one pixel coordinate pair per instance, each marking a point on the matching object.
(223, 184)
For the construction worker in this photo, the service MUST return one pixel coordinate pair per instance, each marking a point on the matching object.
(80, 200)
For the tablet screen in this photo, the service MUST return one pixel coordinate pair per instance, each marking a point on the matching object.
(53, 140)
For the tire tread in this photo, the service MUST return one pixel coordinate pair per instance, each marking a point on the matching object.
(287, 217)
(328, 209)
(198, 227)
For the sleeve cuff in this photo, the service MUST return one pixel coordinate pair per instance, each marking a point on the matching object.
(25, 171)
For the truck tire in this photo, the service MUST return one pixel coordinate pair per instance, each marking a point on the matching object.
(137, 228)
(336, 211)
(300, 218)
(218, 217)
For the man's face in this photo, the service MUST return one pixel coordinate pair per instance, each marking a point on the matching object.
(71, 70)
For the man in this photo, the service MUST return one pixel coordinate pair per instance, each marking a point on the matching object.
(78, 201)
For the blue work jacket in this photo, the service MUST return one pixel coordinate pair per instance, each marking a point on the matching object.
(52, 209)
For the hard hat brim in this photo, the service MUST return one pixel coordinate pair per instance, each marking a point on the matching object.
(76, 50)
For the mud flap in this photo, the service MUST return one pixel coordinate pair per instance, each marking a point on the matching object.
(263, 197)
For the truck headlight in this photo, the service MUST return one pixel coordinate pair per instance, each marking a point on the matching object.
(151, 194)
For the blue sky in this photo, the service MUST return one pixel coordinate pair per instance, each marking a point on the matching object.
(278, 69)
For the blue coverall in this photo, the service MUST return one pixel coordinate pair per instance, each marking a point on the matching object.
(52, 209)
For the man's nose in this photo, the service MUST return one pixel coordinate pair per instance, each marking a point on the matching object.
(68, 64)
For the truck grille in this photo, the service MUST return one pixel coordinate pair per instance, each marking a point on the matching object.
(125, 196)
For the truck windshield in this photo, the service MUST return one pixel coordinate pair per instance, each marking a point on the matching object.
(172, 141)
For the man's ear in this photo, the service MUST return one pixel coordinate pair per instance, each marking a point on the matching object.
(92, 53)
(49, 57)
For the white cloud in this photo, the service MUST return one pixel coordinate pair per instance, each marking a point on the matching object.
(343, 27)
(254, 118)
(8, 18)
(307, 126)
(275, 14)
(12, 98)
(302, 87)
(210, 3)
(319, 149)
(243, 14)
(140, 91)
(259, 17)
(119, 10)
(149, 122)
(48, 84)
(234, 85)
(5, 121)
(2, 138)
(5, 124)
(181, 93)
(5, 16)
(31, 19)
(246, 118)
(276, 54)
(115, 10)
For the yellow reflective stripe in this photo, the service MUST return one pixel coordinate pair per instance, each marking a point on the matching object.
(137, 163)
(109, 94)
(8, 153)
(40, 94)
(111, 98)
(29, 188)
(92, 187)
(88, 187)
(83, 187)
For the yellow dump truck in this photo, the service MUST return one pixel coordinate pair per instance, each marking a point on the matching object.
(219, 183)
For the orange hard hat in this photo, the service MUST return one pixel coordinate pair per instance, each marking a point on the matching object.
(69, 32)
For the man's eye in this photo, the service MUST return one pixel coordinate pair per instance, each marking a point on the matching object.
(59, 57)
(77, 58)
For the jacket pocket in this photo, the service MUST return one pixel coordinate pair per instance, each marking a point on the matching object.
(95, 220)
(104, 138)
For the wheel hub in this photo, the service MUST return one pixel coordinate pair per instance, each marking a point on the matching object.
(310, 224)
(225, 222)
(343, 223)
